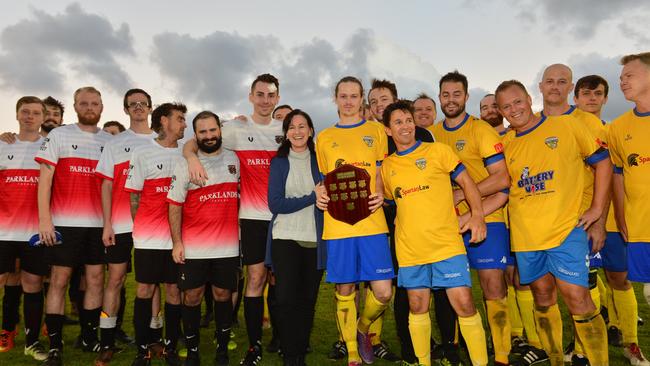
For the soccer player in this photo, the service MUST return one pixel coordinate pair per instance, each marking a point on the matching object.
(53, 115)
(359, 252)
(150, 173)
(69, 201)
(113, 127)
(490, 114)
(255, 141)
(430, 249)
(546, 157)
(425, 111)
(630, 154)
(205, 235)
(18, 222)
(480, 150)
(112, 168)
(281, 111)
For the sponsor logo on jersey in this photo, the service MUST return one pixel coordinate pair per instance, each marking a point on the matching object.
(162, 189)
(74, 147)
(498, 147)
(159, 166)
(217, 196)
(551, 142)
(460, 145)
(601, 143)
(127, 149)
(21, 179)
(403, 192)
(368, 140)
(636, 159)
(256, 162)
(232, 169)
(82, 169)
(250, 138)
(534, 183)
(421, 163)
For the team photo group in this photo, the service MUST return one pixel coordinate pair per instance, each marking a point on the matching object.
(392, 205)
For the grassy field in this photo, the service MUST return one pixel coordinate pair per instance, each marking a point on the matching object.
(323, 335)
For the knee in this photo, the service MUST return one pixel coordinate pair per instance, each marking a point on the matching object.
(383, 295)
(116, 281)
(345, 290)
(172, 294)
(145, 291)
(192, 297)
(221, 294)
(256, 281)
(418, 306)
(618, 281)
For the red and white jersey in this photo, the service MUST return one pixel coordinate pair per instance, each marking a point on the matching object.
(255, 146)
(18, 190)
(150, 173)
(114, 165)
(76, 190)
(210, 228)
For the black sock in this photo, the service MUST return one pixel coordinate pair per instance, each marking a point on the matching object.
(33, 313)
(447, 322)
(54, 323)
(79, 301)
(207, 297)
(120, 311)
(89, 320)
(172, 324)
(107, 326)
(10, 307)
(254, 314)
(273, 308)
(240, 294)
(191, 322)
(141, 321)
(223, 322)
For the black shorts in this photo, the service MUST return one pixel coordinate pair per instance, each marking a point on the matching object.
(121, 251)
(154, 266)
(219, 272)
(81, 245)
(253, 240)
(32, 259)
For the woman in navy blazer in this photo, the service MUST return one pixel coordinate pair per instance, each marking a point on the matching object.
(295, 249)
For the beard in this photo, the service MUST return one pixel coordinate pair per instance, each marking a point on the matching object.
(495, 121)
(209, 149)
(461, 109)
(49, 125)
(89, 119)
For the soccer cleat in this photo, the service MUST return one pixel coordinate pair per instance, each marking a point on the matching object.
(7, 340)
(53, 358)
(253, 356)
(568, 351)
(192, 359)
(382, 351)
(92, 347)
(142, 359)
(365, 347)
(171, 357)
(156, 350)
(532, 356)
(338, 352)
(122, 337)
(633, 353)
(579, 360)
(106, 356)
(518, 345)
(37, 351)
(614, 336)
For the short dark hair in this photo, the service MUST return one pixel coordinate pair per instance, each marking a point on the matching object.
(454, 77)
(400, 105)
(424, 95)
(165, 109)
(378, 84)
(115, 124)
(49, 101)
(348, 79)
(266, 78)
(283, 150)
(282, 107)
(29, 99)
(130, 92)
(508, 84)
(590, 82)
(204, 115)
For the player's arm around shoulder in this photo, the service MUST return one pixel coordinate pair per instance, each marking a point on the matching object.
(476, 223)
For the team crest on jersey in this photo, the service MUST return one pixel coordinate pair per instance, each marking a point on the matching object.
(460, 145)
(338, 163)
(232, 169)
(279, 139)
(368, 140)
(421, 163)
(10, 157)
(74, 147)
(159, 166)
(551, 142)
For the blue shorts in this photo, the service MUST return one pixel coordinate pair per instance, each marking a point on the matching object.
(362, 258)
(614, 253)
(492, 253)
(510, 259)
(638, 262)
(568, 262)
(448, 273)
(595, 259)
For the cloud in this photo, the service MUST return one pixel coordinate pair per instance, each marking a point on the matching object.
(216, 70)
(36, 51)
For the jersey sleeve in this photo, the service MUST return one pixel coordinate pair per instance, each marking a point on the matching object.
(106, 163)
(388, 194)
(48, 153)
(382, 147)
(320, 157)
(588, 144)
(490, 145)
(180, 182)
(136, 176)
(449, 161)
(614, 150)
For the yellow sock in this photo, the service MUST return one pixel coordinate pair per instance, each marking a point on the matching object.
(372, 309)
(549, 328)
(472, 329)
(346, 316)
(612, 311)
(497, 316)
(595, 296)
(626, 305)
(527, 311)
(592, 332)
(376, 327)
(420, 329)
(602, 290)
(517, 327)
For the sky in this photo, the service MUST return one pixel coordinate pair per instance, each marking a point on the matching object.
(206, 53)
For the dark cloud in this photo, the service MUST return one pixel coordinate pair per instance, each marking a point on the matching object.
(35, 51)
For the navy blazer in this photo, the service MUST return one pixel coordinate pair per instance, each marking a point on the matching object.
(279, 204)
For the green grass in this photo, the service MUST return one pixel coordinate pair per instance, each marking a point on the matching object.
(323, 335)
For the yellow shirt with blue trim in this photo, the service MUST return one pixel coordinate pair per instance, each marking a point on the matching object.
(418, 181)
(478, 145)
(544, 163)
(630, 149)
(365, 146)
(610, 225)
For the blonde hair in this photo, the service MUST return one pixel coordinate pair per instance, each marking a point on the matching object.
(89, 89)
(643, 57)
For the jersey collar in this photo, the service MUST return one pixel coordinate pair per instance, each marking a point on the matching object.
(351, 126)
(532, 128)
(568, 111)
(410, 149)
(444, 123)
(639, 114)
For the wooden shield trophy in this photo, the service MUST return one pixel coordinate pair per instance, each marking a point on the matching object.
(348, 188)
